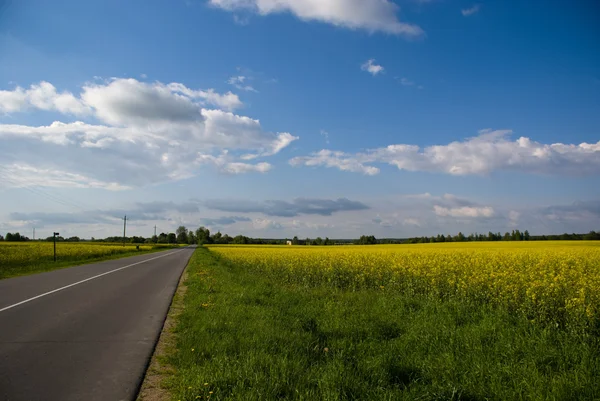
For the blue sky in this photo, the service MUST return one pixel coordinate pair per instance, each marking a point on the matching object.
(312, 118)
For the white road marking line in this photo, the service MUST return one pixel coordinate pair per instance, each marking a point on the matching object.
(83, 281)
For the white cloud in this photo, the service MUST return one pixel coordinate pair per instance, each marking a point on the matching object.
(371, 67)
(370, 15)
(338, 160)
(513, 217)
(266, 224)
(470, 11)
(24, 175)
(239, 83)
(408, 82)
(151, 133)
(283, 140)
(227, 101)
(412, 222)
(236, 80)
(325, 134)
(465, 211)
(41, 96)
(490, 151)
(304, 224)
(225, 164)
(119, 101)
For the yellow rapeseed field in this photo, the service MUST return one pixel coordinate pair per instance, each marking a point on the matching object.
(17, 258)
(23, 253)
(557, 281)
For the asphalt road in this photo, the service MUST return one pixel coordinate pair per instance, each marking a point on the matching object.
(91, 340)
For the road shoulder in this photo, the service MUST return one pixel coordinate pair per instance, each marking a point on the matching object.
(152, 388)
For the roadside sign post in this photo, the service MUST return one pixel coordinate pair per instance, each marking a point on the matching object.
(55, 234)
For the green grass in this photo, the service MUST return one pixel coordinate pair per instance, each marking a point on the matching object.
(243, 337)
(12, 266)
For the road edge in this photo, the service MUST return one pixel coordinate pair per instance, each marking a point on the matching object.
(157, 371)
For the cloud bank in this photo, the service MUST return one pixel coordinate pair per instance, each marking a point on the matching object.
(135, 134)
(321, 207)
(488, 152)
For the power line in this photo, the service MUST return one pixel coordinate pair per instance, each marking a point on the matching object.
(36, 190)
(47, 196)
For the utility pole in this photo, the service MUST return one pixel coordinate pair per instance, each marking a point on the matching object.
(54, 235)
(155, 230)
(124, 228)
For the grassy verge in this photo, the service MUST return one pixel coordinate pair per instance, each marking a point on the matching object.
(159, 370)
(64, 261)
(244, 337)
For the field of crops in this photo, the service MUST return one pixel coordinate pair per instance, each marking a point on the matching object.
(458, 321)
(18, 258)
(558, 281)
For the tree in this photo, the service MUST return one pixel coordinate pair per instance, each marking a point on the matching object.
(73, 239)
(163, 238)
(240, 239)
(217, 237)
(171, 238)
(515, 235)
(367, 240)
(460, 237)
(181, 238)
(507, 236)
(203, 236)
(15, 237)
(526, 235)
(181, 234)
(137, 240)
(191, 237)
(154, 239)
(60, 239)
(1, 238)
(295, 241)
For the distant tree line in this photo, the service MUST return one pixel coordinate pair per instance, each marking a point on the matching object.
(16, 237)
(202, 236)
(515, 235)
